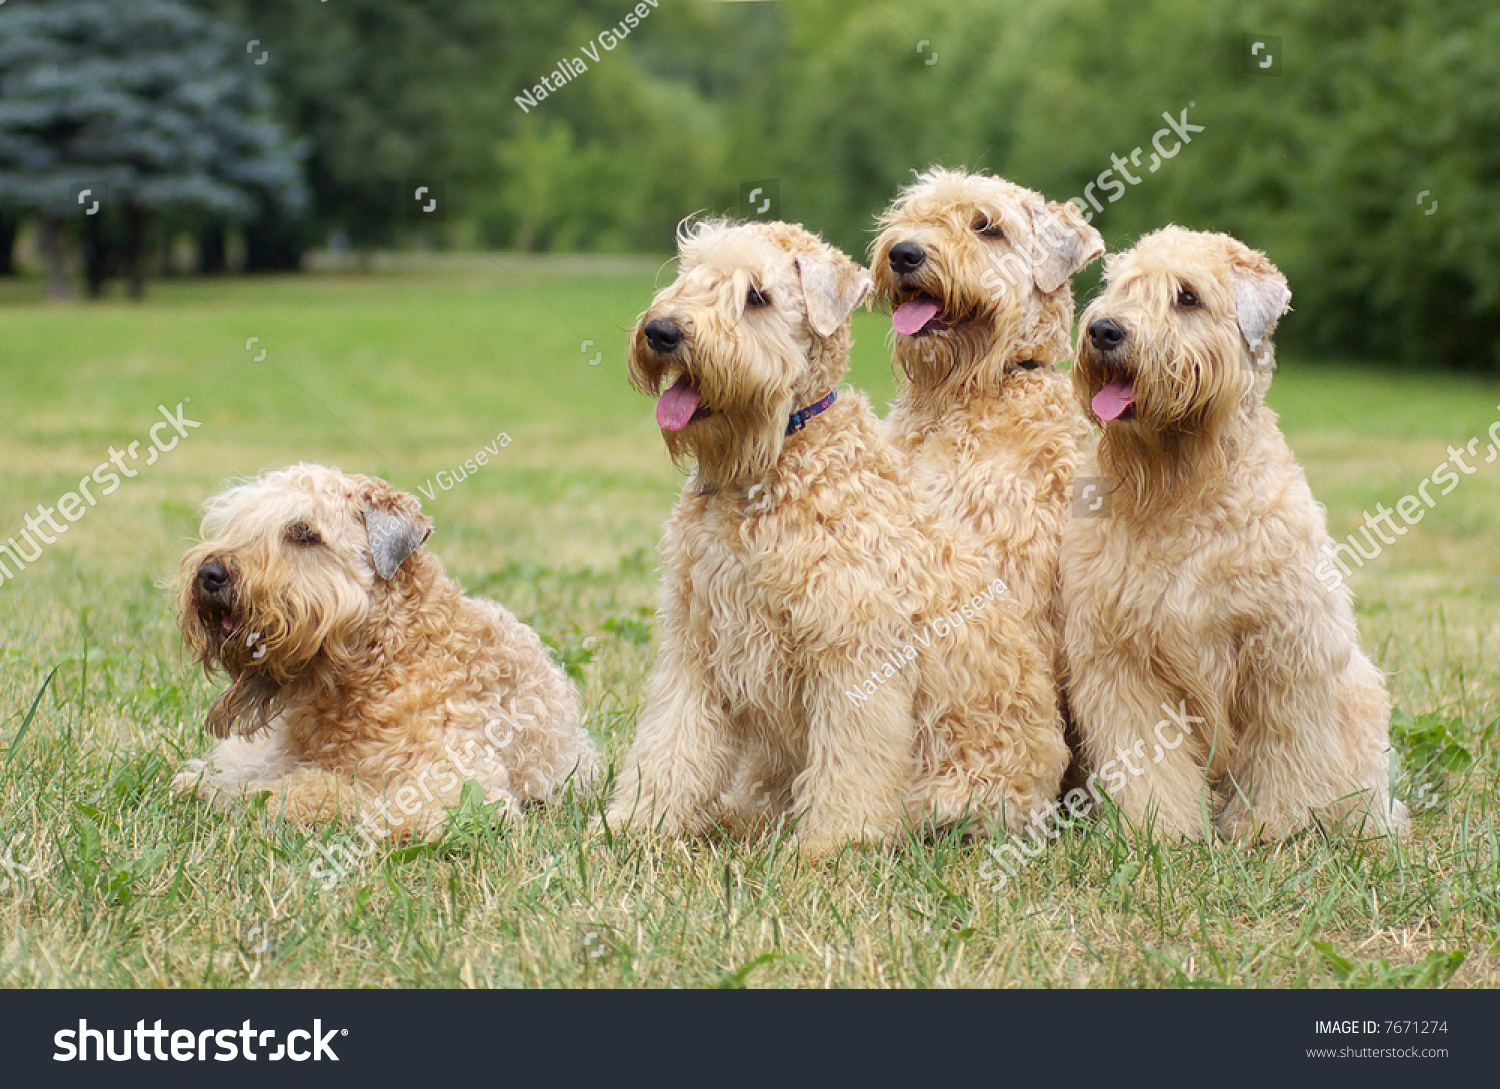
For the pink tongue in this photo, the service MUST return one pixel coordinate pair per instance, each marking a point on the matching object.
(675, 409)
(1111, 402)
(910, 317)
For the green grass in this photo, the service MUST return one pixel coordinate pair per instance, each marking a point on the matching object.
(407, 374)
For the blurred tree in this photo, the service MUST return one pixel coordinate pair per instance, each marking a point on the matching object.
(1320, 162)
(1394, 221)
(390, 94)
(144, 108)
(615, 165)
(9, 224)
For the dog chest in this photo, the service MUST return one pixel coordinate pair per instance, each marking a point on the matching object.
(765, 612)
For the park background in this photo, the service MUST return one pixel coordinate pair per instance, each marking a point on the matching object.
(261, 256)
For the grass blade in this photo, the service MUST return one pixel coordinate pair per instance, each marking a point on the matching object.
(30, 714)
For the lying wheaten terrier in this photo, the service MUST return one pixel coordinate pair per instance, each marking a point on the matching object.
(365, 684)
(1192, 585)
(976, 272)
(824, 637)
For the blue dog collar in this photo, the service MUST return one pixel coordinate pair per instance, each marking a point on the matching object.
(799, 419)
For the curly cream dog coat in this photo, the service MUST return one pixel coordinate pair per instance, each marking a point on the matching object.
(799, 563)
(367, 685)
(1196, 584)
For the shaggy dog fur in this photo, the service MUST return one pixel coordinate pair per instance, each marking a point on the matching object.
(976, 270)
(823, 634)
(1198, 588)
(368, 686)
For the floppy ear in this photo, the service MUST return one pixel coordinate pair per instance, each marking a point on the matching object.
(1260, 298)
(1067, 244)
(396, 528)
(832, 286)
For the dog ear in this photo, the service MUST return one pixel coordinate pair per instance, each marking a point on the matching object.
(1260, 298)
(832, 287)
(396, 528)
(1067, 244)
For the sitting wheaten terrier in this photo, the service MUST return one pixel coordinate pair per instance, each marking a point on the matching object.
(365, 684)
(976, 272)
(829, 648)
(1190, 592)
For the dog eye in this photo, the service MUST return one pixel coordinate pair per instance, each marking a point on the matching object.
(987, 229)
(302, 533)
(1186, 298)
(755, 300)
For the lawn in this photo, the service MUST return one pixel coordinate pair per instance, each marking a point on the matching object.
(107, 881)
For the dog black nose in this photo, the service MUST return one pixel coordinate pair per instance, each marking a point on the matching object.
(663, 336)
(906, 257)
(1105, 335)
(212, 578)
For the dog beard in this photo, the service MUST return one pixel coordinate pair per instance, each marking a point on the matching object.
(958, 350)
(245, 707)
(727, 449)
(245, 653)
(1171, 444)
(741, 434)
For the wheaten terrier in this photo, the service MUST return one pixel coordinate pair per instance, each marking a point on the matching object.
(1193, 585)
(976, 271)
(824, 636)
(366, 685)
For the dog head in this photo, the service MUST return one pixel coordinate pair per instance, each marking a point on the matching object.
(754, 328)
(290, 570)
(1178, 340)
(975, 270)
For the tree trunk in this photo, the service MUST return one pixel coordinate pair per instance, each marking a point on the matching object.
(96, 255)
(273, 245)
(525, 235)
(58, 286)
(213, 250)
(9, 225)
(133, 253)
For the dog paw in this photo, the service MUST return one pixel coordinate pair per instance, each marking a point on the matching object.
(191, 778)
(823, 845)
(618, 822)
(1245, 833)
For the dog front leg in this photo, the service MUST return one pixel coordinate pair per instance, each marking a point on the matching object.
(236, 767)
(859, 763)
(1146, 745)
(683, 754)
(760, 794)
(1316, 742)
(312, 795)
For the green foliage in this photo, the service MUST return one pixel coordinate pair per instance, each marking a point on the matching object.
(1428, 744)
(391, 92)
(1366, 165)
